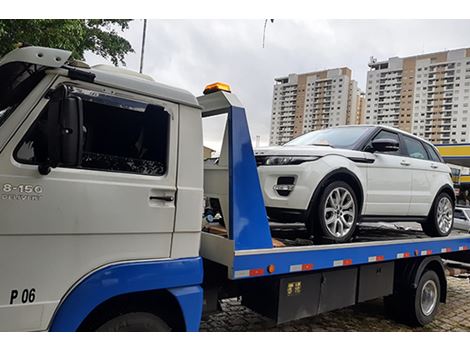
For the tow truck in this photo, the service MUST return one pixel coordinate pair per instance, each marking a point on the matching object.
(102, 186)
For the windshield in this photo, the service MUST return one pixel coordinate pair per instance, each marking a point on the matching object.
(339, 137)
(17, 80)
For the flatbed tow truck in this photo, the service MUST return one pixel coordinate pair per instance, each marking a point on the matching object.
(95, 237)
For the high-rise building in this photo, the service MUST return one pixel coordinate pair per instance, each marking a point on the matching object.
(360, 108)
(427, 95)
(311, 101)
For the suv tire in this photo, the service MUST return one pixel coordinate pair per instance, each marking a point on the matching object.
(333, 219)
(441, 217)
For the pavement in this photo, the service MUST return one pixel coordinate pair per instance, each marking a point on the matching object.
(367, 316)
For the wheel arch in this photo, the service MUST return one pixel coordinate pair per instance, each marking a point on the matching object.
(158, 302)
(339, 174)
(444, 189)
(173, 282)
(410, 272)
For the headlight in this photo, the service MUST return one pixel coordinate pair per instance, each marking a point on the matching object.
(288, 160)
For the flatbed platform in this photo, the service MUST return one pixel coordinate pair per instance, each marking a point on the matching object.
(372, 243)
(295, 234)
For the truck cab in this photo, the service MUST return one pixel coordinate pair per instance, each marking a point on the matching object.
(99, 167)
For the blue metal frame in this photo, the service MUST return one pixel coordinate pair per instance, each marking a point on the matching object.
(249, 225)
(321, 258)
(182, 278)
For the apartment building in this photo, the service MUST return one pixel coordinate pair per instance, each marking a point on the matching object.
(360, 108)
(427, 95)
(311, 101)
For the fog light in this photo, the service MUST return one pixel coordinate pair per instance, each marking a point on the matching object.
(288, 188)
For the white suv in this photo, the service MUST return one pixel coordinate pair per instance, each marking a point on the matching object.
(333, 178)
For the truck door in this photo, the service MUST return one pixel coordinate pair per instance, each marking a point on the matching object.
(118, 205)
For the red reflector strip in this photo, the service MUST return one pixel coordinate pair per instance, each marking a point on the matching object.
(428, 252)
(463, 248)
(446, 250)
(300, 267)
(248, 273)
(377, 258)
(342, 262)
(403, 255)
(256, 272)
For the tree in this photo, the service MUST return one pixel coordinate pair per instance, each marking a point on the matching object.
(98, 36)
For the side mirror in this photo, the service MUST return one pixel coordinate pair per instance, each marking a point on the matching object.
(64, 130)
(385, 145)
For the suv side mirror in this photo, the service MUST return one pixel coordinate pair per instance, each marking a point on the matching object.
(385, 145)
(64, 130)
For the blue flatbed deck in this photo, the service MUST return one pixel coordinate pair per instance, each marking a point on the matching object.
(371, 244)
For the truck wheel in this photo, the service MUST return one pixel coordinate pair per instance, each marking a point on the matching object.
(136, 322)
(415, 307)
(441, 217)
(335, 216)
(423, 305)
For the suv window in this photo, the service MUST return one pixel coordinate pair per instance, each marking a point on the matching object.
(432, 153)
(414, 148)
(383, 134)
(120, 135)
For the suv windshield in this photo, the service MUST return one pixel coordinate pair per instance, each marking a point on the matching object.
(17, 80)
(338, 137)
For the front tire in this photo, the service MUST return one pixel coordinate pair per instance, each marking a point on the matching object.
(134, 322)
(334, 219)
(441, 217)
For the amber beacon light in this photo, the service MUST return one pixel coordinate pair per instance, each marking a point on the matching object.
(215, 87)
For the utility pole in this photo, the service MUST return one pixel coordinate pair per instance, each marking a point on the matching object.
(143, 47)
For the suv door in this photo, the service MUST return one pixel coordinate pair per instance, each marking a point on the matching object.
(423, 175)
(119, 205)
(388, 181)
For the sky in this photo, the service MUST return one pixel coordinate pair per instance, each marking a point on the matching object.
(190, 54)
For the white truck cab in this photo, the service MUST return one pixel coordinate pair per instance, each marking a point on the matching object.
(98, 166)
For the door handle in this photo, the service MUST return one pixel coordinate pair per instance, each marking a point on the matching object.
(405, 163)
(434, 166)
(164, 198)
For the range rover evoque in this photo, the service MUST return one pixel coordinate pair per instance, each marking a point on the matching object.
(333, 178)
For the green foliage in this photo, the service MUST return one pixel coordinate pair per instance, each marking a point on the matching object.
(98, 36)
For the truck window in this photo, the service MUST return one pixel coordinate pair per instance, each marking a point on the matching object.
(17, 80)
(121, 135)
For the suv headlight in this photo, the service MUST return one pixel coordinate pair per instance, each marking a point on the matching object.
(288, 160)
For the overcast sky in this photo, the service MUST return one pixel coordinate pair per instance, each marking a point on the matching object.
(192, 53)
